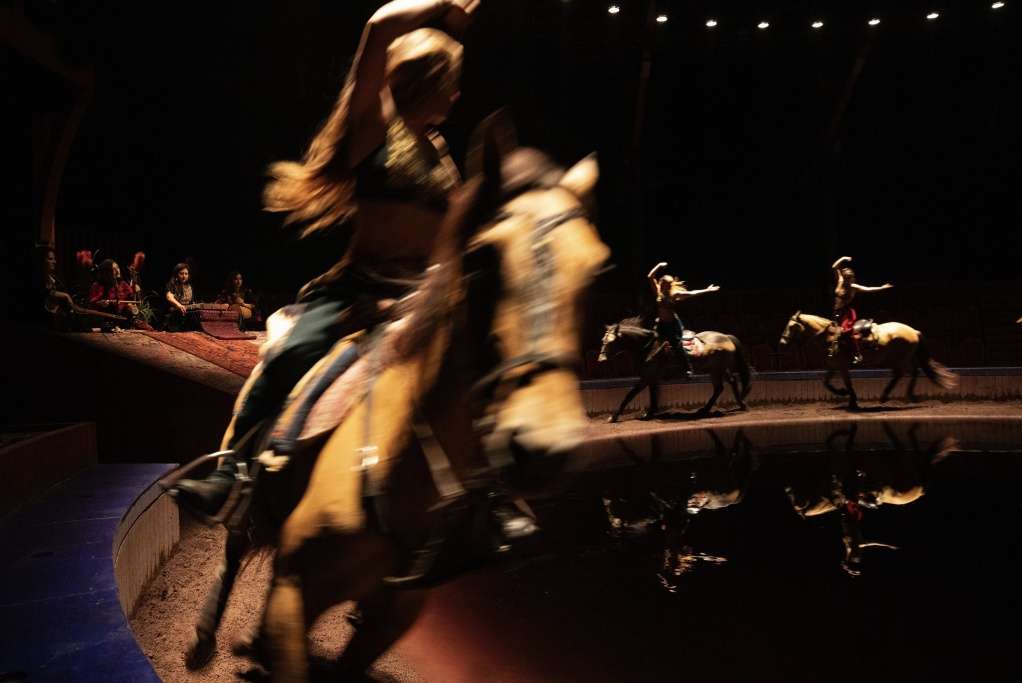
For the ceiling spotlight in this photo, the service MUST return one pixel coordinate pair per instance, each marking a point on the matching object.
(763, 25)
(873, 22)
(817, 24)
(661, 19)
(933, 15)
(997, 5)
(613, 9)
(710, 23)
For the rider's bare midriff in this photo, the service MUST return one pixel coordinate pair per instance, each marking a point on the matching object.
(393, 238)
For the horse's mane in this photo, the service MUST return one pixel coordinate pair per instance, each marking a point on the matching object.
(471, 206)
(634, 321)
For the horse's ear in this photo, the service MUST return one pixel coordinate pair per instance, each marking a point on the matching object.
(492, 140)
(581, 178)
(797, 313)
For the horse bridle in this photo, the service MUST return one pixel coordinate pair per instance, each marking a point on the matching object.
(537, 311)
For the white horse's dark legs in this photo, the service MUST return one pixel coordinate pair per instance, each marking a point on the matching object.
(734, 390)
(718, 387)
(911, 393)
(853, 400)
(830, 387)
(896, 375)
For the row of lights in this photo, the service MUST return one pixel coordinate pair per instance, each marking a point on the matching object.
(816, 25)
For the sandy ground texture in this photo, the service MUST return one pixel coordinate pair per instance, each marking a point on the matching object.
(163, 620)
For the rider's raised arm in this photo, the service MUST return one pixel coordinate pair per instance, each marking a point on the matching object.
(863, 288)
(368, 71)
(841, 261)
(697, 292)
(651, 276)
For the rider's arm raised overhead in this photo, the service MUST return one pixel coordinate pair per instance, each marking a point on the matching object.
(368, 71)
(651, 276)
(841, 261)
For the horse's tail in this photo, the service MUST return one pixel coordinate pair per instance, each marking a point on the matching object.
(742, 366)
(936, 372)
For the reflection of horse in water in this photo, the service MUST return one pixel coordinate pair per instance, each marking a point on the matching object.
(379, 492)
(721, 356)
(854, 480)
(895, 346)
(676, 494)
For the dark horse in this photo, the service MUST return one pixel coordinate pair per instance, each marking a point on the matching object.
(720, 355)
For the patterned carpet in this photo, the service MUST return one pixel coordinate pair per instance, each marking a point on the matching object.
(238, 356)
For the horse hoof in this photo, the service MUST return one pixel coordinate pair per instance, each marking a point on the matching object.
(200, 652)
(249, 646)
(742, 407)
(912, 398)
(612, 419)
(883, 399)
(646, 416)
(256, 674)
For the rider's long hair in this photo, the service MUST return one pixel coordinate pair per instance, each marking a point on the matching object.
(317, 192)
(847, 275)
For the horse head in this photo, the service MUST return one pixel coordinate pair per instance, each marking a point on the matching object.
(794, 330)
(527, 263)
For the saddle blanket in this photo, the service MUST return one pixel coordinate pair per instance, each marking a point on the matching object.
(335, 385)
(692, 345)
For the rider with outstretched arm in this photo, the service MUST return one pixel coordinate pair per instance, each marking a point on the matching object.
(845, 289)
(669, 291)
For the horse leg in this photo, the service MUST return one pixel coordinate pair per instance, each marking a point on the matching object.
(830, 387)
(386, 615)
(718, 387)
(203, 644)
(654, 401)
(853, 400)
(639, 386)
(896, 374)
(911, 393)
(284, 628)
(734, 390)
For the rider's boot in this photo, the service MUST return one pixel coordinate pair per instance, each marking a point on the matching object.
(208, 495)
(834, 347)
(686, 365)
(510, 520)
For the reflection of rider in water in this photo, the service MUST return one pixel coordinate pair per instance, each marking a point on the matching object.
(845, 288)
(669, 291)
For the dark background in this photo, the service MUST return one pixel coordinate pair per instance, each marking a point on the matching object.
(741, 183)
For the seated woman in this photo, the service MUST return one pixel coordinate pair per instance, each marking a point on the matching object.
(57, 302)
(179, 295)
(241, 299)
(112, 295)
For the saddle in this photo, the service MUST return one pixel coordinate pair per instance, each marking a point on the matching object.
(865, 331)
(692, 345)
(331, 388)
